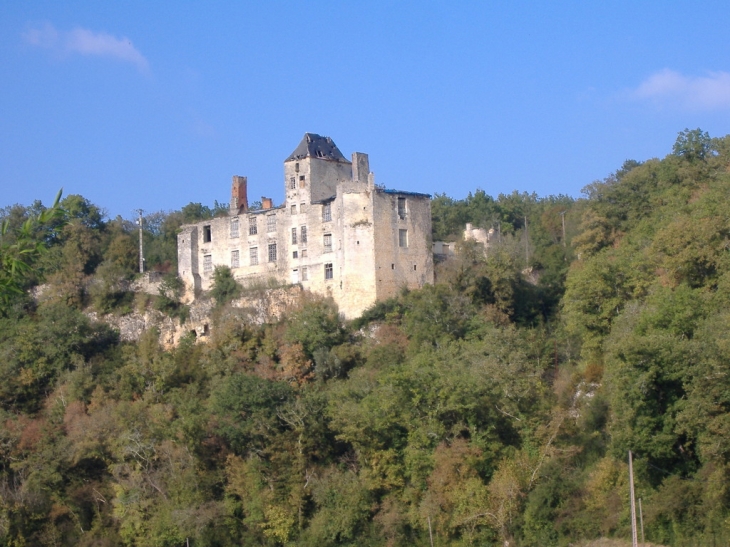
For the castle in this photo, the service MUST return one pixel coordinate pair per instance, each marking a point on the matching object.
(337, 234)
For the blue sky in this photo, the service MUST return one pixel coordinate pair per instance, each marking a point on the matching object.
(154, 105)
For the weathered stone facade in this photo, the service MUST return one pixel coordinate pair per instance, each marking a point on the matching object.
(337, 234)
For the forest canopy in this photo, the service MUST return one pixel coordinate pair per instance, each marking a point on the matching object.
(496, 405)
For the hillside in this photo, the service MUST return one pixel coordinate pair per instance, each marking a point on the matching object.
(491, 407)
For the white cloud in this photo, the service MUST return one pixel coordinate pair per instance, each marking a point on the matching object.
(711, 92)
(85, 42)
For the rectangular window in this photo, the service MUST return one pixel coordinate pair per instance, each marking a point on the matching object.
(293, 209)
(302, 207)
(327, 212)
(327, 243)
(304, 253)
(292, 183)
(271, 223)
(402, 208)
(272, 252)
(235, 262)
(303, 232)
(234, 227)
(295, 254)
(403, 238)
(304, 273)
(252, 226)
(328, 272)
(302, 183)
(253, 255)
(293, 236)
(206, 234)
(207, 263)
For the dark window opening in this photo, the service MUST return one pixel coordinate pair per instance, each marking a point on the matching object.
(206, 234)
(206, 329)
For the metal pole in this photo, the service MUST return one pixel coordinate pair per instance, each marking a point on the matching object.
(634, 539)
(430, 533)
(641, 520)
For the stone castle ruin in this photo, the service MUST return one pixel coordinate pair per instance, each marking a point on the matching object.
(337, 234)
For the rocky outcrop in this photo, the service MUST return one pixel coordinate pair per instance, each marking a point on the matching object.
(262, 306)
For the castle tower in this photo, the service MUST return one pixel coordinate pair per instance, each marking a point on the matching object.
(312, 171)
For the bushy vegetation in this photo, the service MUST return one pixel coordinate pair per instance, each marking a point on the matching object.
(497, 405)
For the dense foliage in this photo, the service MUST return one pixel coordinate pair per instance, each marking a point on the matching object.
(497, 405)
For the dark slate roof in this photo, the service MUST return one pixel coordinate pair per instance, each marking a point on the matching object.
(316, 146)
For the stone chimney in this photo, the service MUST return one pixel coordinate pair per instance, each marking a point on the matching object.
(266, 203)
(360, 167)
(239, 195)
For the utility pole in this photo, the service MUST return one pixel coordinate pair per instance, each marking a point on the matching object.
(527, 245)
(141, 244)
(634, 538)
(641, 520)
(562, 214)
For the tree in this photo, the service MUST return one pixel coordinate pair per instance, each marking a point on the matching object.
(225, 287)
(692, 145)
(18, 255)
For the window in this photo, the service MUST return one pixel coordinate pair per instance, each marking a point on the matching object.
(304, 253)
(304, 273)
(327, 212)
(295, 254)
(271, 223)
(234, 227)
(292, 183)
(296, 167)
(252, 227)
(207, 263)
(253, 254)
(402, 208)
(293, 236)
(327, 243)
(272, 252)
(402, 238)
(303, 233)
(302, 182)
(293, 209)
(295, 276)
(328, 273)
(235, 262)
(206, 234)
(302, 208)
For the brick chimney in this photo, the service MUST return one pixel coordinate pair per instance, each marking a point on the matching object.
(266, 203)
(239, 195)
